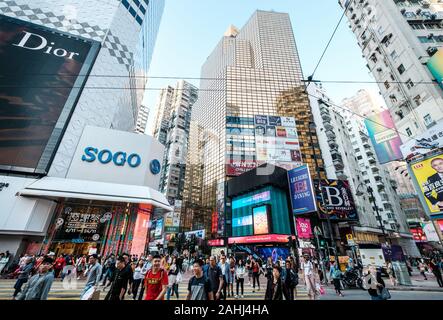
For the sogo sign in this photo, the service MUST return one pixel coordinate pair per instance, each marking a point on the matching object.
(105, 156)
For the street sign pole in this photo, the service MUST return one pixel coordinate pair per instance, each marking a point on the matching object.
(322, 261)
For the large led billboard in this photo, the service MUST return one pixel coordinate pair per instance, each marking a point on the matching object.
(42, 73)
(260, 217)
(427, 178)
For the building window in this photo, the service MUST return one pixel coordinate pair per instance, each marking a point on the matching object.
(409, 84)
(401, 69)
(387, 86)
(394, 55)
(426, 39)
(428, 119)
(409, 132)
(417, 100)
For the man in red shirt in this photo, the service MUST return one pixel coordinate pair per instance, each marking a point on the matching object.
(156, 281)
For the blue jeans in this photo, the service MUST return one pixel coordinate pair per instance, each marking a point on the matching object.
(88, 286)
(172, 289)
(376, 298)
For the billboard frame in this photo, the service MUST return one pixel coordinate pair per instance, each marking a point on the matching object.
(68, 108)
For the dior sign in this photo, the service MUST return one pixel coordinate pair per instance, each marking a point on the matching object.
(33, 41)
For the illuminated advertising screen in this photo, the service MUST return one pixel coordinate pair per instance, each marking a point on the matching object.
(158, 229)
(384, 137)
(260, 217)
(302, 193)
(42, 73)
(242, 221)
(428, 182)
(251, 200)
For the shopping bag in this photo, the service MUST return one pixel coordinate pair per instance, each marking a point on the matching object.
(95, 295)
(385, 294)
(179, 277)
(322, 290)
(88, 294)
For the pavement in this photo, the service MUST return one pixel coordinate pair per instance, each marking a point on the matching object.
(61, 291)
(420, 290)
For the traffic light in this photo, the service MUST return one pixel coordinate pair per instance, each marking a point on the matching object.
(322, 243)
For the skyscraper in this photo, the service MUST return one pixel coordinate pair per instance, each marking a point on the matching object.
(127, 32)
(401, 41)
(173, 132)
(251, 79)
(142, 119)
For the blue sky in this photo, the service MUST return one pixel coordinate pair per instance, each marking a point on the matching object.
(190, 29)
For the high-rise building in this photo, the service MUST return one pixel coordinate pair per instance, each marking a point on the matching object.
(81, 69)
(398, 38)
(127, 32)
(363, 103)
(377, 176)
(254, 71)
(177, 117)
(163, 109)
(142, 119)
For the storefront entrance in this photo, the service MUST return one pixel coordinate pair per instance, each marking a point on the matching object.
(82, 227)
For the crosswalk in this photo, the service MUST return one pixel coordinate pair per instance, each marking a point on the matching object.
(61, 291)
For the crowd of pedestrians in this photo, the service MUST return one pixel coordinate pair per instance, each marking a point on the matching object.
(158, 277)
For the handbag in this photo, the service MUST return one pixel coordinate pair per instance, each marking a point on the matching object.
(385, 294)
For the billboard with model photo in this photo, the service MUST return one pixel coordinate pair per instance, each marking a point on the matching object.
(42, 73)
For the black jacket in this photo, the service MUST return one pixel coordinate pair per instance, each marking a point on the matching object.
(439, 189)
(274, 292)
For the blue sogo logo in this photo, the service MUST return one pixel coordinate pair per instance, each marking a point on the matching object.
(155, 166)
(105, 156)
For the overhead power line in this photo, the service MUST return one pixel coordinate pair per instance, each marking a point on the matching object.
(329, 43)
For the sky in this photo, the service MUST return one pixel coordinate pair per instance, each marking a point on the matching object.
(190, 30)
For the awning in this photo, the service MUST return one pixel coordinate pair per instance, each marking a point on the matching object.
(53, 188)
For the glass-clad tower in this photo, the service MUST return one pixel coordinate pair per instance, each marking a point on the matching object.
(252, 72)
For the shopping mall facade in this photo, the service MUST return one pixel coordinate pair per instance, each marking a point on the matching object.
(73, 176)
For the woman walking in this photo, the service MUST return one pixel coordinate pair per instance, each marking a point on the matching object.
(391, 274)
(308, 274)
(255, 274)
(172, 278)
(139, 275)
(290, 281)
(374, 283)
(336, 275)
(422, 268)
(232, 271)
(240, 272)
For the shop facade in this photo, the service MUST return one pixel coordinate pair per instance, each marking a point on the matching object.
(102, 205)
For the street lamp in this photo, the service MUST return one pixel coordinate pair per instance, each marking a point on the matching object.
(312, 126)
(372, 200)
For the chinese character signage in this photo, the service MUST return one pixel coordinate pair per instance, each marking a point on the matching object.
(384, 137)
(304, 230)
(431, 139)
(427, 176)
(302, 193)
(339, 203)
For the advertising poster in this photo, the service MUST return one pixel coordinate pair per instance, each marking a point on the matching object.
(304, 230)
(427, 177)
(430, 232)
(260, 217)
(339, 203)
(237, 167)
(158, 229)
(263, 120)
(431, 139)
(221, 208)
(435, 66)
(42, 73)
(384, 137)
(302, 193)
(200, 234)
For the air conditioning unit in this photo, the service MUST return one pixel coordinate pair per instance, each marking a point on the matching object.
(431, 51)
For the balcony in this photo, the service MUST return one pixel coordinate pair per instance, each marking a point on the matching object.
(330, 133)
(333, 144)
(326, 117)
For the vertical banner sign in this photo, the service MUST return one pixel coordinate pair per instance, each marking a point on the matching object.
(384, 137)
(435, 66)
(304, 230)
(427, 176)
(302, 193)
(339, 203)
(42, 73)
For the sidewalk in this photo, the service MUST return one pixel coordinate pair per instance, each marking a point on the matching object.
(418, 283)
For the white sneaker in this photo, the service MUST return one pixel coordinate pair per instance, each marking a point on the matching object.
(242, 296)
(236, 296)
